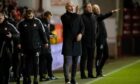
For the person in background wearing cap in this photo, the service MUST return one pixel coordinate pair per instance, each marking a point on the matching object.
(101, 39)
(73, 30)
(46, 59)
(32, 36)
(8, 33)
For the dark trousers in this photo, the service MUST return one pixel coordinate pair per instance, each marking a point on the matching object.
(102, 56)
(16, 63)
(66, 67)
(4, 72)
(5, 63)
(87, 59)
(31, 63)
(45, 65)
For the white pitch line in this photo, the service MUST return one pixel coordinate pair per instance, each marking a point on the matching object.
(113, 72)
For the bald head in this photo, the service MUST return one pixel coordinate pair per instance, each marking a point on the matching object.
(69, 7)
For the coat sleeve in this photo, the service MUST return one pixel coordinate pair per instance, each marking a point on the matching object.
(82, 27)
(15, 33)
(104, 16)
(42, 32)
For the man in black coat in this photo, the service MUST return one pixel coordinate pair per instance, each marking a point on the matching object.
(88, 41)
(32, 35)
(8, 34)
(101, 40)
(73, 29)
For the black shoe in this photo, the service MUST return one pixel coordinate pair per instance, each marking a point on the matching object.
(73, 82)
(18, 81)
(83, 77)
(35, 82)
(99, 75)
(26, 81)
(91, 76)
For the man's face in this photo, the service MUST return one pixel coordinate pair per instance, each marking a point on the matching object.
(1, 18)
(70, 7)
(30, 15)
(89, 8)
(48, 17)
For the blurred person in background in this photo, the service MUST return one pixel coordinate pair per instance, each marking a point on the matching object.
(46, 58)
(101, 39)
(8, 34)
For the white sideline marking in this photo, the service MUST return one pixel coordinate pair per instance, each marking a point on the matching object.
(114, 71)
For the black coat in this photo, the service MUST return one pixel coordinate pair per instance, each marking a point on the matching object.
(90, 23)
(5, 42)
(101, 29)
(32, 34)
(72, 26)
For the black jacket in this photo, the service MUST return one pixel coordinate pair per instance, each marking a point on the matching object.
(5, 42)
(101, 29)
(90, 23)
(47, 30)
(48, 33)
(72, 26)
(32, 34)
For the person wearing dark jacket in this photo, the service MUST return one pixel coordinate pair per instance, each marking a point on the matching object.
(101, 40)
(8, 34)
(88, 41)
(73, 29)
(16, 56)
(32, 36)
(46, 59)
